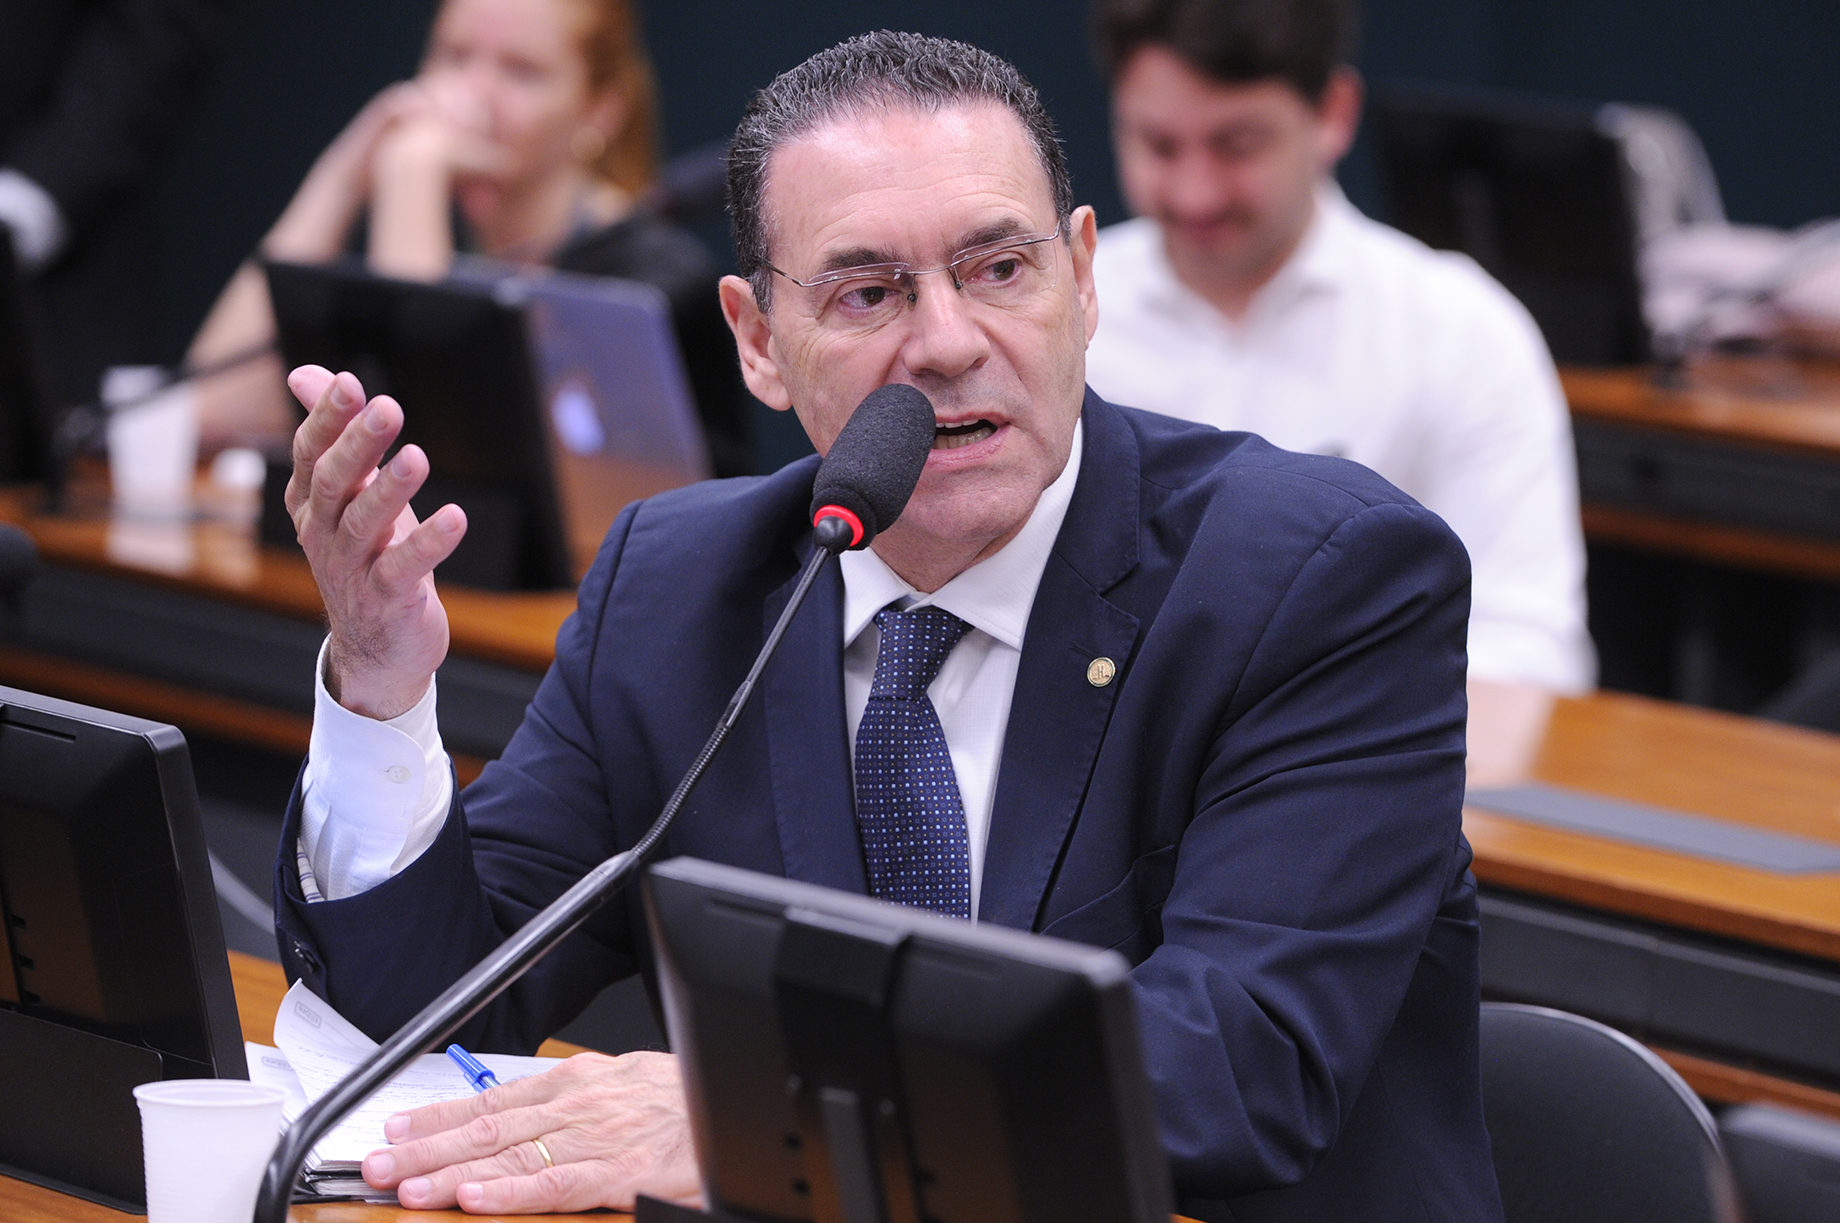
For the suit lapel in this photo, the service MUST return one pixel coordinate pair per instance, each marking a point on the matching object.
(1059, 714)
(807, 746)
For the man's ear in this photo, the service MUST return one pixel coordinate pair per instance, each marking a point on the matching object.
(754, 341)
(1083, 239)
(1338, 115)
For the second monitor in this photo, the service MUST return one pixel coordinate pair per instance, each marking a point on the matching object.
(544, 403)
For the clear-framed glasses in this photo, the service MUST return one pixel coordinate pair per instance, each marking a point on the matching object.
(1004, 272)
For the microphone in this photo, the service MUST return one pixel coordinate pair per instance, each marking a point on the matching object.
(872, 467)
(18, 565)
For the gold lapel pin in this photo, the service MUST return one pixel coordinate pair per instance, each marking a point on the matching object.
(1101, 671)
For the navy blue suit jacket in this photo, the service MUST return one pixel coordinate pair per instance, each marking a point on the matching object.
(1262, 811)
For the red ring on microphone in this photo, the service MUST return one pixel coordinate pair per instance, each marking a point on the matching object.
(837, 511)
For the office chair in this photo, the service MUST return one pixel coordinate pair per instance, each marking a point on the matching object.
(1587, 1126)
(1672, 182)
(1786, 1163)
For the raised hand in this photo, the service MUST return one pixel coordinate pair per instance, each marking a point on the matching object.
(372, 559)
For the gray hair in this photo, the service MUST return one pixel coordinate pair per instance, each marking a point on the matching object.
(883, 69)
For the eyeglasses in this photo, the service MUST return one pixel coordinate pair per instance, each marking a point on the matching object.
(1005, 272)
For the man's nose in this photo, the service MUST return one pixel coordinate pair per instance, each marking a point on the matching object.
(1197, 185)
(945, 335)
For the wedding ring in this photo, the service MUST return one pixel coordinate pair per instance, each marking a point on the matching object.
(544, 1152)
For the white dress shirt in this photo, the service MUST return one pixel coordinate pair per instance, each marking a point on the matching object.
(375, 794)
(1371, 346)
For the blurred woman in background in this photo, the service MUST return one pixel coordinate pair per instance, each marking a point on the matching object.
(528, 136)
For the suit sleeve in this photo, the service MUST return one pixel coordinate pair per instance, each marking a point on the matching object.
(381, 956)
(1325, 837)
(117, 100)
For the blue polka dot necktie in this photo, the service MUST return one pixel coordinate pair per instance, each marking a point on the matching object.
(908, 810)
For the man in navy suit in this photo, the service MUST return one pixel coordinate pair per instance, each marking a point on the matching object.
(1208, 709)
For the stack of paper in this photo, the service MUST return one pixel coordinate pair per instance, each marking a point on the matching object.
(317, 1048)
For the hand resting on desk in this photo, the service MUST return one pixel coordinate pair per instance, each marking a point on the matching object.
(371, 558)
(615, 1127)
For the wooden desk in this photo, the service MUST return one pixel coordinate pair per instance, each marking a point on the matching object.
(259, 987)
(1738, 465)
(1712, 510)
(1782, 927)
(198, 625)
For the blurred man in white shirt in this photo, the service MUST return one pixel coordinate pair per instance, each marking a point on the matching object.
(1250, 294)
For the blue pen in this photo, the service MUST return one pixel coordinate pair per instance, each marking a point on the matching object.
(478, 1075)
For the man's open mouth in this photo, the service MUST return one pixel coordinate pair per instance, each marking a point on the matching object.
(950, 437)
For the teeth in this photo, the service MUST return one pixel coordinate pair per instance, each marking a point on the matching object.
(951, 437)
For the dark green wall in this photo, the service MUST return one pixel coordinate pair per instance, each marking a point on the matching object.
(1751, 76)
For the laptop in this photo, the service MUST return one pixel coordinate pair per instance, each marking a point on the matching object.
(545, 402)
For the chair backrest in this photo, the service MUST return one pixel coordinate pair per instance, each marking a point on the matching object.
(1786, 1163)
(1672, 183)
(1587, 1126)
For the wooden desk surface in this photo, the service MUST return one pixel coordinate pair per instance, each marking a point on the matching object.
(221, 559)
(1690, 760)
(1792, 405)
(259, 988)
(1785, 410)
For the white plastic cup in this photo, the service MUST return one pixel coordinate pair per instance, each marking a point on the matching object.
(206, 1143)
(153, 441)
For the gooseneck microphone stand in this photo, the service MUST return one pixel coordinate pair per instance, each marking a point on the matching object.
(486, 980)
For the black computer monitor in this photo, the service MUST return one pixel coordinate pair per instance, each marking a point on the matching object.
(849, 1059)
(456, 355)
(112, 964)
(25, 414)
(1534, 190)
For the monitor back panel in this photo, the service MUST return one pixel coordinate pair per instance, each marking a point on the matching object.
(114, 965)
(1537, 193)
(456, 357)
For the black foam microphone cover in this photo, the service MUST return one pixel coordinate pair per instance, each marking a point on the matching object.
(873, 465)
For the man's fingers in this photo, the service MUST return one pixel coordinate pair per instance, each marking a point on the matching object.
(331, 401)
(375, 516)
(487, 1144)
(416, 554)
(439, 1190)
(519, 1093)
(566, 1189)
(344, 468)
(613, 1126)
(309, 382)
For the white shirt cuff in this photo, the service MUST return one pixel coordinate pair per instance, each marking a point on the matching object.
(374, 794)
(34, 217)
